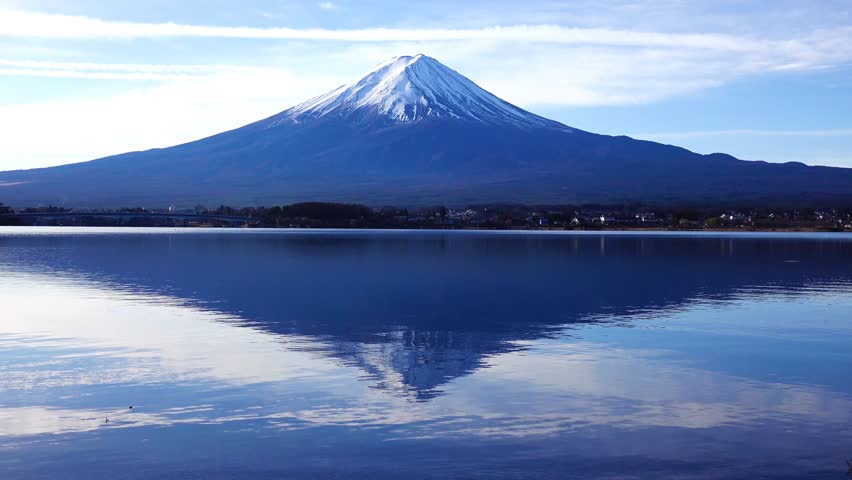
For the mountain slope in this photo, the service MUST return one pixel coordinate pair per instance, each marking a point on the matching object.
(411, 132)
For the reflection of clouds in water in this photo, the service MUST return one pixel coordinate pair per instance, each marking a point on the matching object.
(601, 384)
(536, 388)
(434, 420)
(35, 420)
(143, 338)
(573, 386)
(136, 340)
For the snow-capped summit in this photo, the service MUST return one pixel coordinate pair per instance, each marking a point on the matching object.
(409, 89)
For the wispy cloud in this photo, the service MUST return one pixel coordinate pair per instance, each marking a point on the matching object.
(26, 24)
(835, 132)
(602, 67)
(166, 114)
(327, 5)
(117, 71)
(59, 73)
(816, 50)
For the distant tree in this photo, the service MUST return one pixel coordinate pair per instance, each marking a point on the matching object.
(225, 210)
(691, 214)
(327, 211)
(4, 209)
(132, 210)
(713, 222)
(47, 209)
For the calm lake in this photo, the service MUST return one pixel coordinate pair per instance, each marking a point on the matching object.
(393, 354)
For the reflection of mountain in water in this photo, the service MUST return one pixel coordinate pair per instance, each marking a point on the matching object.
(417, 310)
(415, 363)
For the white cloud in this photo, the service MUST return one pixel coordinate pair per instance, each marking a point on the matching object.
(836, 132)
(26, 24)
(59, 73)
(51, 133)
(121, 67)
(327, 6)
(118, 71)
(545, 74)
(814, 50)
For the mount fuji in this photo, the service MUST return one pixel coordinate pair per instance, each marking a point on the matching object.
(412, 89)
(415, 132)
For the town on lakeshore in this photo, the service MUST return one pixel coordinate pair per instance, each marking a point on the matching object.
(490, 217)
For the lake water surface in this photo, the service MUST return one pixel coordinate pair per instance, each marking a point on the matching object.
(356, 354)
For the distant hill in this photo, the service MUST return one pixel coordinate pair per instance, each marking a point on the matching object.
(415, 132)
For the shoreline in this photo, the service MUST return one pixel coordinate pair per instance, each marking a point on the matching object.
(213, 228)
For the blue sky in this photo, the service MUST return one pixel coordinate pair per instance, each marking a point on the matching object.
(762, 79)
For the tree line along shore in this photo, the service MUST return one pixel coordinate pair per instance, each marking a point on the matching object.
(550, 217)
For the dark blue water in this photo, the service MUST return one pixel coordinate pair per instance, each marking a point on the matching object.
(311, 354)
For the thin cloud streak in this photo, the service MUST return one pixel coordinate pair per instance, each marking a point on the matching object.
(25, 24)
(155, 116)
(124, 67)
(143, 76)
(118, 71)
(836, 132)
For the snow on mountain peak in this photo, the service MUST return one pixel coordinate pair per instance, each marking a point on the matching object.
(409, 89)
